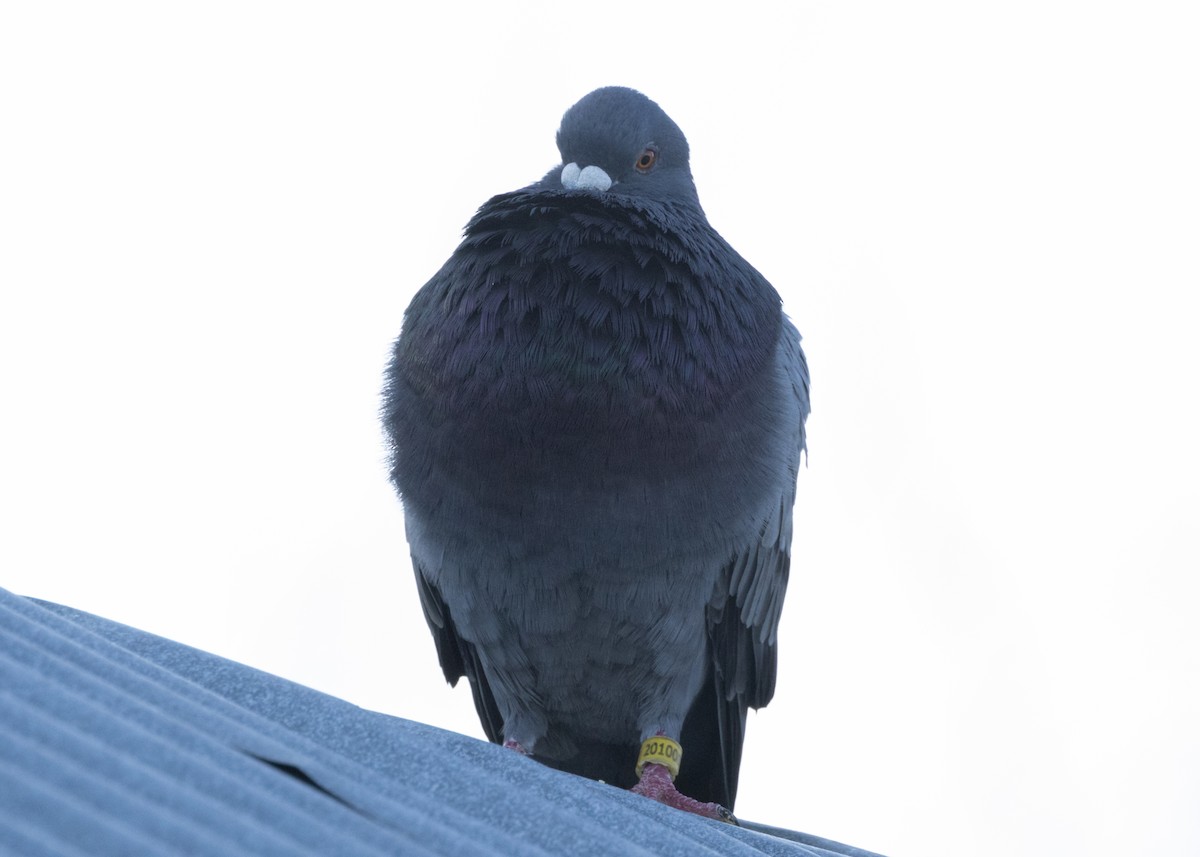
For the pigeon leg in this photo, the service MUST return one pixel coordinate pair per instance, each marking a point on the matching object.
(513, 744)
(655, 783)
(658, 763)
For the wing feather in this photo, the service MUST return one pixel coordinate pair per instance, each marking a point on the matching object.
(743, 615)
(457, 656)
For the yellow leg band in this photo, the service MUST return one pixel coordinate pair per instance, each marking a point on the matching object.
(660, 750)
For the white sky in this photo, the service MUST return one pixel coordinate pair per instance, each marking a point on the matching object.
(984, 218)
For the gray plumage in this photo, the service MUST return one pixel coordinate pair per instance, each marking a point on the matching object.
(596, 409)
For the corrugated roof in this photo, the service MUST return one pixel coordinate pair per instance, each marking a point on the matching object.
(119, 742)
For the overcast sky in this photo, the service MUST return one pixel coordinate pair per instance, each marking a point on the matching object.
(983, 217)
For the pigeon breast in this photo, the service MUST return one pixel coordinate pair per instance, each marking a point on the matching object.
(575, 348)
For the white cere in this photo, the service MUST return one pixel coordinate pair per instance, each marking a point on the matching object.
(593, 178)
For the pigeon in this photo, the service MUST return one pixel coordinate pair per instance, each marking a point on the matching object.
(595, 412)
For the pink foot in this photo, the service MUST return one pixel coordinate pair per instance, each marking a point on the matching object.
(656, 784)
(516, 745)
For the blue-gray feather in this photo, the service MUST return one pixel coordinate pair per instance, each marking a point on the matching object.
(596, 409)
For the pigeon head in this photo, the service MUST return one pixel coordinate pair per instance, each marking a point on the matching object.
(617, 141)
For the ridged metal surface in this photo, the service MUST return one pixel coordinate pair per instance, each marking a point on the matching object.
(117, 742)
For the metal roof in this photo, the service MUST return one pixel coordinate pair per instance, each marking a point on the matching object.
(114, 741)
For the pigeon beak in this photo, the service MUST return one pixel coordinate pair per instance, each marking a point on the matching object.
(590, 178)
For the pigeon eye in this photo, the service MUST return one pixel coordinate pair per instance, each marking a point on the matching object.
(646, 159)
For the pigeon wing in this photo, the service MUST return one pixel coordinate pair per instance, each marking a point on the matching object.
(457, 656)
(743, 618)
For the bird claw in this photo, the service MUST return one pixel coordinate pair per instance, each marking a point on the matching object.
(510, 744)
(655, 783)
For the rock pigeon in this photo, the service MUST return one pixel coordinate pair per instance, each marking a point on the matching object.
(596, 415)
